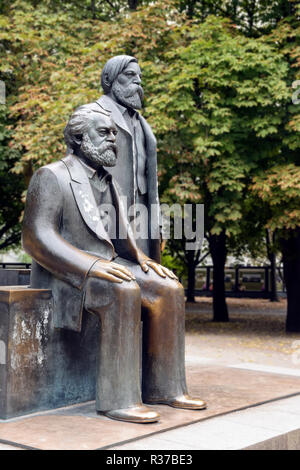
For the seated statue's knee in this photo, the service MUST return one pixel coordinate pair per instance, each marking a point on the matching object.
(172, 287)
(126, 288)
(180, 287)
(102, 295)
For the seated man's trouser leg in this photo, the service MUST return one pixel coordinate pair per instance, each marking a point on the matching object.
(119, 308)
(163, 315)
(118, 362)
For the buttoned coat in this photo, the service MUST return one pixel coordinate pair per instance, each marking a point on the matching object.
(63, 232)
(123, 172)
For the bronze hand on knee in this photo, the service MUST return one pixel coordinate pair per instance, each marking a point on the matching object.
(146, 263)
(110, 271)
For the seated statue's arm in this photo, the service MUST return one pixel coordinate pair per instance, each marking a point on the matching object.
(41, 238)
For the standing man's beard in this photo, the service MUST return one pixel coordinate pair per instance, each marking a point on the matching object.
(105, 155)
(131, 96)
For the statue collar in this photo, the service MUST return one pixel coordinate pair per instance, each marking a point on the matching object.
(114, 108)
(123, 110)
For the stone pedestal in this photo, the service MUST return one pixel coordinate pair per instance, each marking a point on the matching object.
(42, 367)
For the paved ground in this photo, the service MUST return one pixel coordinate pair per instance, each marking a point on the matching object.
(228, 390)
(253, 342)
(254, 339)
(272, 426)
(255, 334)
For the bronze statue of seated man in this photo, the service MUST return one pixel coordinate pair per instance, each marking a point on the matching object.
(78, 252)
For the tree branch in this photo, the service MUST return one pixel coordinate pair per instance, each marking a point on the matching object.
(10, 240)
(6, 227)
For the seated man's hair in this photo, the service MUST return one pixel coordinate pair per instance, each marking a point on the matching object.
(79, 123)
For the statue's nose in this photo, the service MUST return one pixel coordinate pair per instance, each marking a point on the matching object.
(137, 80)
(111, 137)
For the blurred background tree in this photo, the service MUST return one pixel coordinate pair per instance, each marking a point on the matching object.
(12, 187)
(218, 84)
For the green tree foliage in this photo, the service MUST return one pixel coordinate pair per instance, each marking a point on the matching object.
(12, 187)
(218, 95)
(56, 67)
(51, 55)
(252, 17)
(219, 101)
(277, 187)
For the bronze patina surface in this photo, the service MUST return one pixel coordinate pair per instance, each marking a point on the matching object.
(136, 168)
(80, 255)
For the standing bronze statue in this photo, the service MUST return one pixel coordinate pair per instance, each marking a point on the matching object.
(136, 170)
(72, 225)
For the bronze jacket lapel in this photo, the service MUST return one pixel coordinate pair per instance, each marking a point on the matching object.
(109, 105)
(84, 197)
(125, 232)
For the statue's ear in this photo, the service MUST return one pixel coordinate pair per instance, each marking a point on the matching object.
(106, 80)
(77, 139)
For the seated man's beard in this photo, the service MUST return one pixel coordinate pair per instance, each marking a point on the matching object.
(131, 96)
(104, 155)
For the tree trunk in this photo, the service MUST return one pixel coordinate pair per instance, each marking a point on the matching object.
(133, 4)
(272, 259)
(191, 276)
(217, 245)
(27, 172)
(291, 271)
(250, 9)
(273, 290)
(191, 9)
(93, 8)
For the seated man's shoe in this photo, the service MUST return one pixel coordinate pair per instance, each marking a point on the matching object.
(183, 401)
(138, 414)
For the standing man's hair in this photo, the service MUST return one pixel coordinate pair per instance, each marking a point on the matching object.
(112, 69)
